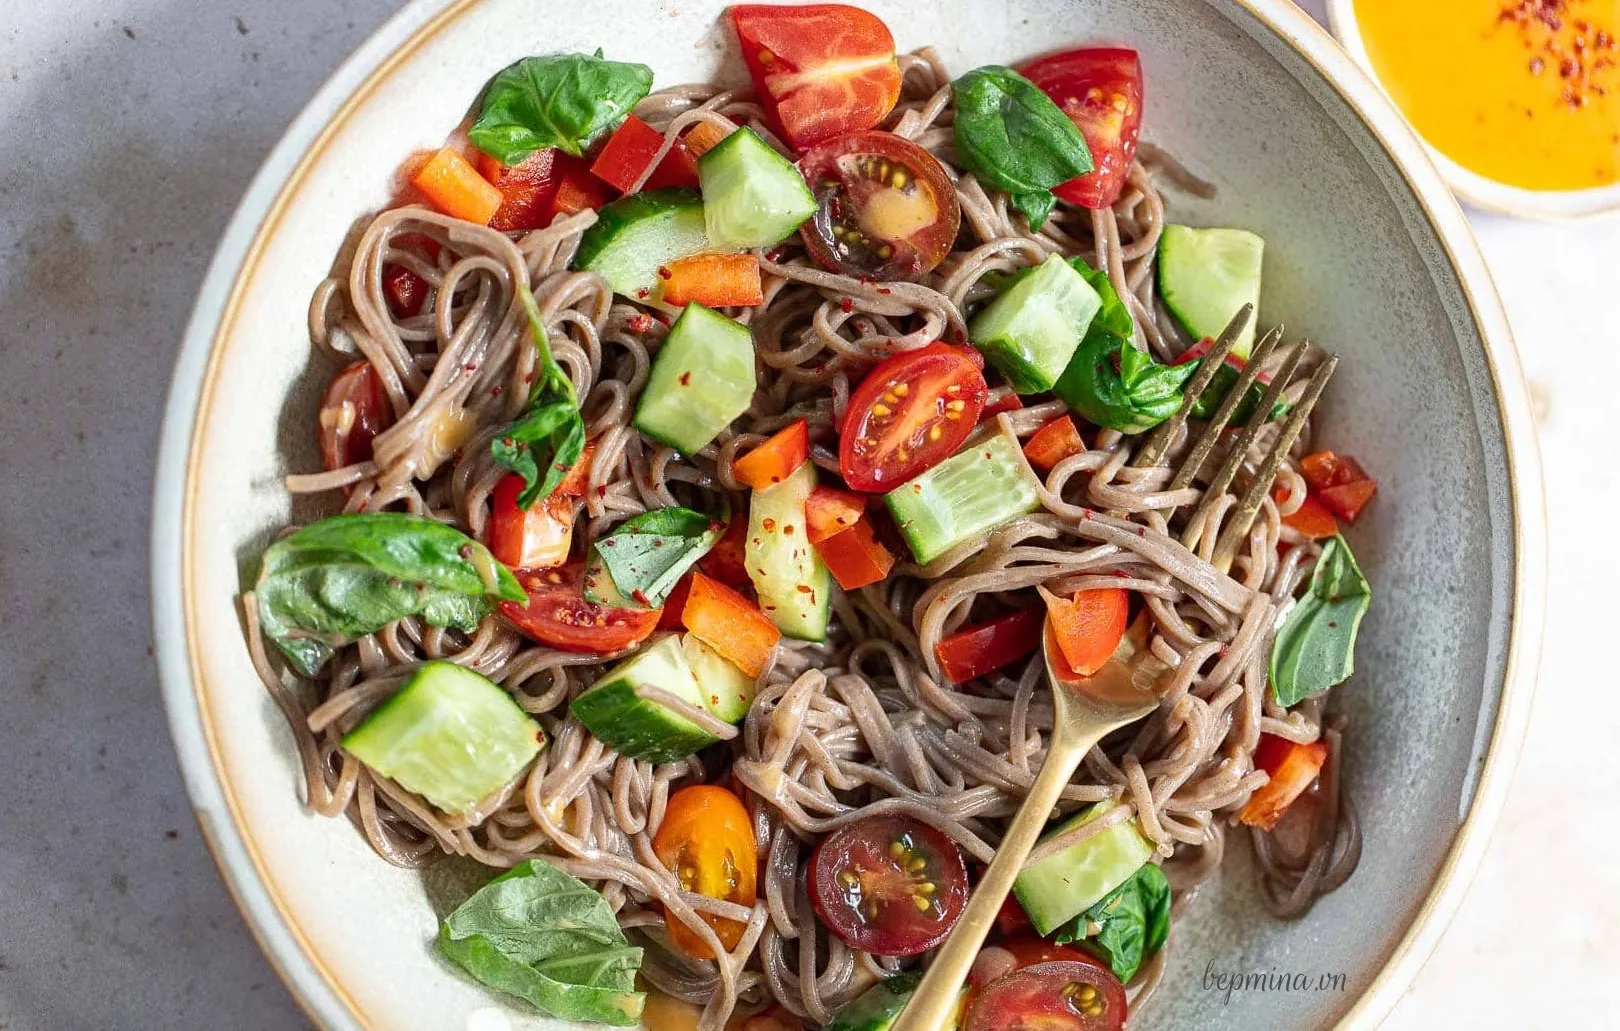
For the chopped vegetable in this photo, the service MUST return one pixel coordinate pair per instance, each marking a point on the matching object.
(707, 840)
(730, 624)
(1348, 499)
(1053, 443)
(557, 614)
(1089, 626)
(1224, 380)
(450, 735)
(1013, 138)
(876, 1008)
(566, 101)
(1031, 329)
(727, 562)
(1111, 383)
(702, 378)
(1053, 996)
(888, 884)
(855, 557)
(712, 280)
(1056, 888)
(702, 137)
(982, 648)
(635, 236)
(1293, 768)
(546, 442)
(648, 553)
(820, 70)
(830, 511)
(1312, 518)
(455, 187)
(1131, 924)
(349, 575)
(404, 290)
(615, 712)
(885, 207)
(632, 148)
(537, 537)
(752, 196)
(969, 494)
(1100, 89)
(795, 588)
(910, 413)
(578, 190)
(775, 459)
(1315, 647)
(544, 936)
(1206, 275)
(528, 189)
(727, 690)
(1341, 483)
(354, 410)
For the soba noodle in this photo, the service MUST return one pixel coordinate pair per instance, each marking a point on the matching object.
(864, 722)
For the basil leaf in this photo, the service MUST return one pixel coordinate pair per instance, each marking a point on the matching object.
(551, 433)
(1012, 137)
(1315, 647)
(567, 101)
(1132, 922)
(1109, 381)
(350, 575)
(647, 555)
(1220, 384)
(539, 934)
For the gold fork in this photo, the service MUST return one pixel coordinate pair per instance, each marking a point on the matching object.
(1087, 709)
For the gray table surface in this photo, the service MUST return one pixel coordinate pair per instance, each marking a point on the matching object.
(128, 129)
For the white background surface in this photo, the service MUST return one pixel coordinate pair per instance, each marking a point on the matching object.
(128, 128)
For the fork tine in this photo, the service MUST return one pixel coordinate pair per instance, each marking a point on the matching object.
(1194, 462)
(1159, 442)
(1242, 517)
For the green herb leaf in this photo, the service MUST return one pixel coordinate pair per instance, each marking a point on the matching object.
(1315, 647)
(350, 575)
(546, 441)
(1133, 922)
(539, 934)
(1109, 381)
(1221, 384)
(1012, 137)
(648, 554)
(567, 101)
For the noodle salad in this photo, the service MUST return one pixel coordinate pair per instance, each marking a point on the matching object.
(713, 463)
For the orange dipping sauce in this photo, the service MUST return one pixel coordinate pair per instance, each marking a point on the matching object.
(1525, 92)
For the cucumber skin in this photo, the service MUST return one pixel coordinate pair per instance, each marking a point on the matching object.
(762, 180)
(876, 1008)
(620, 222)
(1186, 238)
(613, 714)
(660, 403)
(378, 728)
(770, 561)
(1032, 887)
(909, 513)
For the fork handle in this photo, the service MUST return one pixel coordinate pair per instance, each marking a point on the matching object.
(933, 1005)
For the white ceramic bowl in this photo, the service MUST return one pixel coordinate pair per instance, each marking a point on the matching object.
(1484, 193)
(1366, 251)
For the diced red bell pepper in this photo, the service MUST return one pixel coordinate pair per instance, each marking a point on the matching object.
(1293, 768)
(405, 291)
(577, 188)
(777, 458)
(976, 650)
(1311, 518)
(1004, 401)
(527, 190)
(1053, 443)
(727, 561)
(830, 511)
(854, 556)
(712, 280)
(669, 617)
(702, 137)
(730, 624)
(632, 148)
(1348, 499)
(1344, 486)
(1088, 627)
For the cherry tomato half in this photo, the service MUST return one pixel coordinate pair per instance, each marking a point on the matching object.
(1019, 950)
(1061, 995)
(558, 614)
(887, 208)
(354, 410)
(909, 414)
(820, 70)
(1100, 89)
(707, 840)
(888, 884)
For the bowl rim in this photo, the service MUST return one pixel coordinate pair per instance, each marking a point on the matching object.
(214, 804)
(1479, 191)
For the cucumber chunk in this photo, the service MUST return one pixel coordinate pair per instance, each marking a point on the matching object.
(634, 726)
(1206, 275)
(634, 235)
(450, 735)
(727, 690)
(977, 489)
(1030, 331)
(702, 378)
(1056, 889)
(795, 588)
(876, 1008)
(752, 196)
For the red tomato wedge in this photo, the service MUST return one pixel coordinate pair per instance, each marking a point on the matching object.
(1293, 768)
(712, 280)
(730, 624)
(983, 648)
(405, 291)
(727, 561)
(1053, 443)
(1100, 89)
(888, 884)
(909, 414)
(354, 410)
(1000, 399)
(1312, 518)
(632, 148)
(1058, 995)
(775, 459)
(887, 210)
(1021, 949)
(854, 557)
(558, 615)
(707, 840)
(830, 511)
(1088, 627)
(675, 604)
(534, 538)
(820, 70)
(527, 189)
